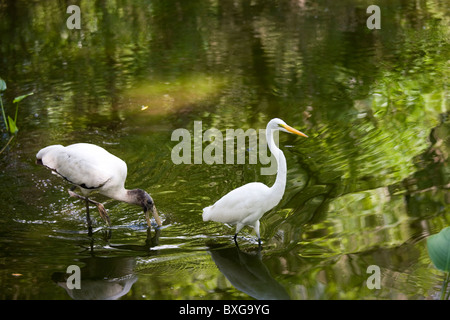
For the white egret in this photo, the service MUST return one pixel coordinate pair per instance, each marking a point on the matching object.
(248, 203)
(92, 168)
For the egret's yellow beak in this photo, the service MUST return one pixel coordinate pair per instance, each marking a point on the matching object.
(294, 131)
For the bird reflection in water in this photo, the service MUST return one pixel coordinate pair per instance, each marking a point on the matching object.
(107, 278)
(247, 273)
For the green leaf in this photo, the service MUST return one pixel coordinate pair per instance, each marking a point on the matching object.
(12, 125)
(438, 246)
(2, 85)
(20, 98)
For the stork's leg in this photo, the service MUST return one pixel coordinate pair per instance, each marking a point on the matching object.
(88, 217)
(100, 207)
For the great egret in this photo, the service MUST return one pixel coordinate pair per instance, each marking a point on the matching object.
(247, 204)
(92, 168)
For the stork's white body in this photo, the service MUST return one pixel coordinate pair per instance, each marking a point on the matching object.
(87, 166)
(90, 168)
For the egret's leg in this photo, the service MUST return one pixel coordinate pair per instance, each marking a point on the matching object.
(239, 226)
(256, 227)
(235, 240)
(100, 207)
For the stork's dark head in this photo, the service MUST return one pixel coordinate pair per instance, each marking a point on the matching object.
(144, 200)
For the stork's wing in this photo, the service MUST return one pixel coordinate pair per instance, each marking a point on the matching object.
(84, 166)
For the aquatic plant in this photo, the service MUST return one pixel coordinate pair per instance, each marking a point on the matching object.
(439, 251)
(10, 123)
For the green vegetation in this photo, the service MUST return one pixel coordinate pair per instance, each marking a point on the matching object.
(10, 124)
(439, 250)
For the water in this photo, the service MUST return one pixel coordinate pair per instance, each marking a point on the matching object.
(366, 188)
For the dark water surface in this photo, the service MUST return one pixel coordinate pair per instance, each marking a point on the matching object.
(366, 188)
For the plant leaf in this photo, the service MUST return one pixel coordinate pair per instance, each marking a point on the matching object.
(2, 85)
(438, 246)
(12, 125)
(20, 98)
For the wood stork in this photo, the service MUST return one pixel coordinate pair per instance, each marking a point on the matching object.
(248, 203)
(92, 168)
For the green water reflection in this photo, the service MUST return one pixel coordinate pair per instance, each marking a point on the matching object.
(366, 188)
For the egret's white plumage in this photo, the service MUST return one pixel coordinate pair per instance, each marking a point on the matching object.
(92, 168)
(247, 204)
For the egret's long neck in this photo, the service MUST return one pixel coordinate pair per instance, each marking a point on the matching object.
(280, 182)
